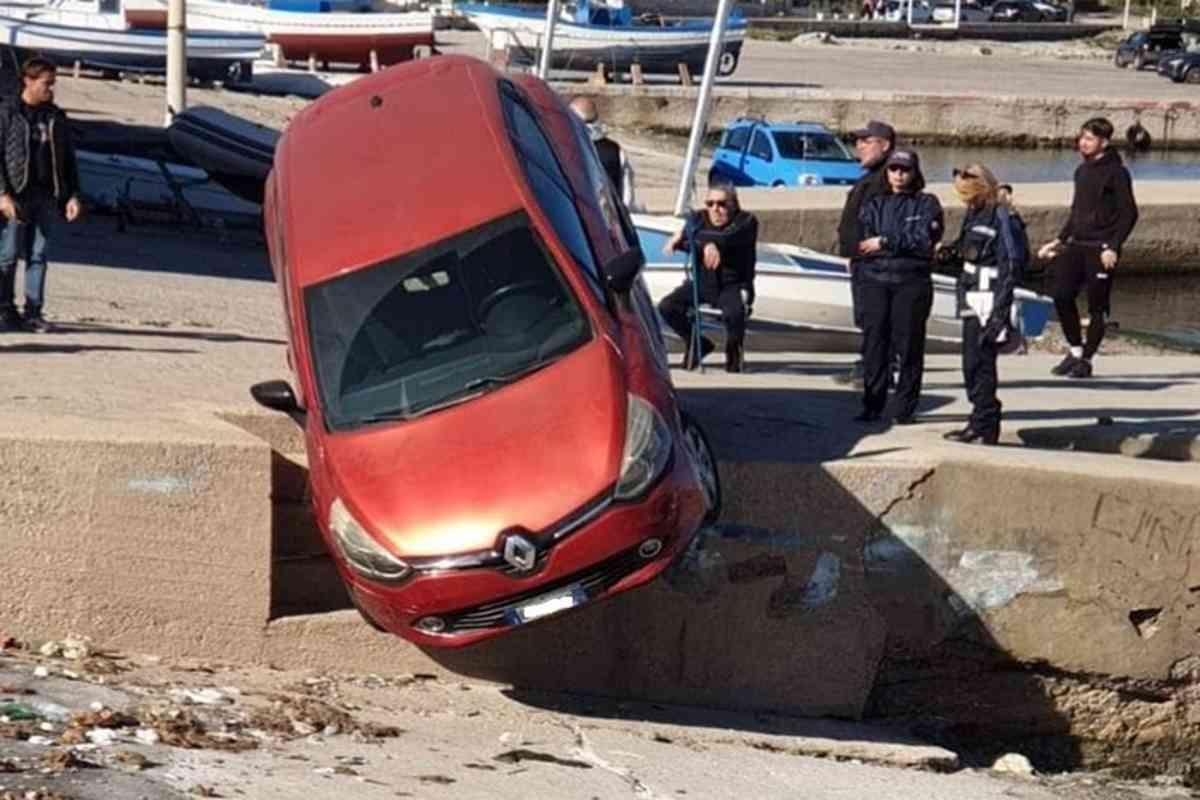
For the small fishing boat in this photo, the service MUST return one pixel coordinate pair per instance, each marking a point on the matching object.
(801, 289)
(348, 37)
(95, 35)
(590, 33)
(237, 153)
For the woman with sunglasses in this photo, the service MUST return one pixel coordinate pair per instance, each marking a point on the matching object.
(898, 232)
(994, 249)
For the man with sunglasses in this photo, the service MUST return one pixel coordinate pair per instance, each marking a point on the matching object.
(1103, 213)
(722, 240)
(872, 144)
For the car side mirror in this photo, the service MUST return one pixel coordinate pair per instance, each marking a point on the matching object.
(622, 271)
(275, 395)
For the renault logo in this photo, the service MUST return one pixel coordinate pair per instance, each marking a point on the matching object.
(520, 553)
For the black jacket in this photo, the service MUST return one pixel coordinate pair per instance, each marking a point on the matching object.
(738, 243)
(993, 237)
(873, 184)
(15, 164)
(910, 224)
(1103, 211)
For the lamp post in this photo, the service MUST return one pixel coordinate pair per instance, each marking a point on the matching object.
(176, 58)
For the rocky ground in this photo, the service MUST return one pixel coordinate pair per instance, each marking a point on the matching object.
(1096, 48)
(77, 723)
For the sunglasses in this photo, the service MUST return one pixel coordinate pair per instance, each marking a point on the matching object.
(717, 203)
(899, 168)
(962, 173)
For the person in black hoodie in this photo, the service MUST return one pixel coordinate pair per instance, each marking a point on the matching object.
(873, 144)
(723, 241)
(897, 235)
(1103, 213)
(992, 246)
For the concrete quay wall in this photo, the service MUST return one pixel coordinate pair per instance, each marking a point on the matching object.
(999, 595)
(1167, 233)
(993, 120)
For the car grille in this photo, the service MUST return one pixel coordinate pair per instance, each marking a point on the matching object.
(595, 581)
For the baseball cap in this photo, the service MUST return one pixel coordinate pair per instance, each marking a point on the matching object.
(875, 128)
(905, 158)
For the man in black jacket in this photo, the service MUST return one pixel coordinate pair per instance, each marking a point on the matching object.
(873, 144)
(39, 182)
(723, 241)
(1103, 213)
(612, 157)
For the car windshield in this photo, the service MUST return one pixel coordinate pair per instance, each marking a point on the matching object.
(811, 146)
(439, 326)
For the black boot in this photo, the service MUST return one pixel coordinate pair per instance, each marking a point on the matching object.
(969, 435)
(735, 357)
(689, 358)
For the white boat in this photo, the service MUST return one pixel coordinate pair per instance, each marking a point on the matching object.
(237, 153)
(95, 35)
(801, 289)
(589, 34)
(326, 36)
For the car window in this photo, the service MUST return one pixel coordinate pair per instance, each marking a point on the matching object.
(440, 325)
(550, 185)
(736, 140)
(811, 146)
(604, 194)
(760, 147)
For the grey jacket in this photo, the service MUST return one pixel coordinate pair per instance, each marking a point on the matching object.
(15, 164)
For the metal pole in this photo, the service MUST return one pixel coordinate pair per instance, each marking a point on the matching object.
(1125, 23)
(957, 13)
(716, 47)
(176, 58)
(910, 2)
(548, 39)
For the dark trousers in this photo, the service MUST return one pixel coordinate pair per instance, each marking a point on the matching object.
(1078, 266)
(980, 377)
(894, 317)
(674, 310)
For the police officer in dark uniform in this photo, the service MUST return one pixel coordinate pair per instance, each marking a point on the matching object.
(873, 144)
(897, 235)
(612, 157)
(993, 250)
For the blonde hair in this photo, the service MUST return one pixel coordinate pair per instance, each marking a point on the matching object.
(976, 185)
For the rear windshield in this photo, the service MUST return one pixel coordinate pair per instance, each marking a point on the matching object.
(440, 326)
(811, 146)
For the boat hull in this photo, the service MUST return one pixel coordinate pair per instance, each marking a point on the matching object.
(236, 153)
(657, 49)
(801, 289)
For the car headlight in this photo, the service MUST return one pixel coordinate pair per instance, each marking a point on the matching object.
(647, 449)
(364, 555)
(809, 179)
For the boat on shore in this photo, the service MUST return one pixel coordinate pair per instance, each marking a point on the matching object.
(348, 37)
(237, 153)
(801, 289)
(94, 35)
(589, 34)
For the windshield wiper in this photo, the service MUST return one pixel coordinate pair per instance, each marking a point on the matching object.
(505, 378)
(399, 414)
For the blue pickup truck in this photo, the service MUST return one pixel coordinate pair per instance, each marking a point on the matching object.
(755, 152)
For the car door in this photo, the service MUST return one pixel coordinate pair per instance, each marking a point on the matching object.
(760, 159)
(732, 157)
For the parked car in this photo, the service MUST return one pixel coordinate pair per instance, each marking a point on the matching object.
(897, 11)
(755, 152)
(1183, 68)
(1051, 12)
(968, 12)
(1144, 48)
(1015, 11)
(491, 429)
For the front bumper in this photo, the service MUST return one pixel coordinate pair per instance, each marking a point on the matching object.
(598, 560)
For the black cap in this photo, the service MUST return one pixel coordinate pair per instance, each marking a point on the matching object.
(905, 158)
(876, 128)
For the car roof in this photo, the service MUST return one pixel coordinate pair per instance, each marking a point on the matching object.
(799, 127)
(393, 162)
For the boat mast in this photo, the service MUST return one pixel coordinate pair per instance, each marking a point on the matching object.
(176, 58)
(716, 47)
(548, 43)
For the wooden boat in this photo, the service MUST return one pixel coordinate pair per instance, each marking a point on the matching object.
(589, 34)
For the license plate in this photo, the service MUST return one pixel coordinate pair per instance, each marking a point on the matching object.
(551, 603)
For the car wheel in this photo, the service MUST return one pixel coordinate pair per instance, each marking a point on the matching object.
(1192, 75)
(1139, 60)
(778, 185)
(705, 463)
(1120, 61)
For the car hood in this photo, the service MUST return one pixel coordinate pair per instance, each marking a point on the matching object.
(526, 454)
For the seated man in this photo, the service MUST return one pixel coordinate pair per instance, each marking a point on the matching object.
(722, 240)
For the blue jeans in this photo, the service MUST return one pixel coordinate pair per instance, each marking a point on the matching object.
(27, 238)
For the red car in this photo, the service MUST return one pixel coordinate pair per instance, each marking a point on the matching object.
(492, 432)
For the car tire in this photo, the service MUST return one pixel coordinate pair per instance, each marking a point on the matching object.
(704, 460)
(778, 185)
(1139, 60)
(1192, 75)
(1120, 61)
